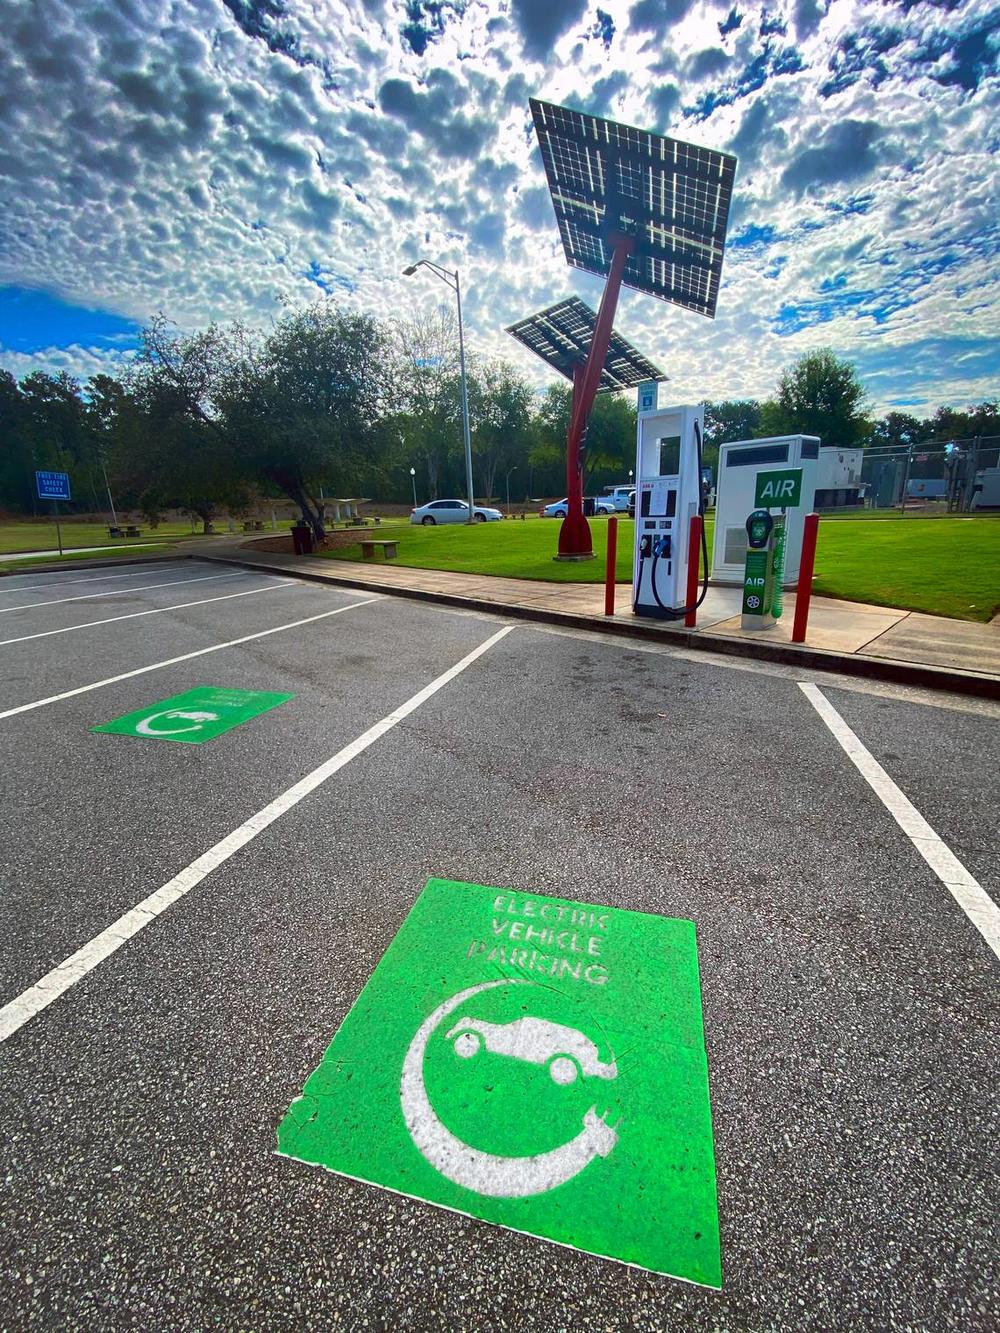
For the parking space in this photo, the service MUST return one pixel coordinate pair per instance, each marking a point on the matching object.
(850, 1007)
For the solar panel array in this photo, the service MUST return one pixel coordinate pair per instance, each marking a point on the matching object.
(672, 197)
(561, 335)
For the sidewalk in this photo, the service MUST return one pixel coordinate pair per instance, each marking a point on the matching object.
(851, 637)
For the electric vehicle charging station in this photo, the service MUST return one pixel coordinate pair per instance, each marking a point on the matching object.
(668, 494)
(740, 464)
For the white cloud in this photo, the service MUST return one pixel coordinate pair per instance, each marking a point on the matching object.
(156, 156)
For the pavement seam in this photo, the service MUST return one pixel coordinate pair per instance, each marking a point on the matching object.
(820, 659)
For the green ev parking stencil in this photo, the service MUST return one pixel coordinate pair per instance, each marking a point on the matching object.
(533, 1062)
(197, 716)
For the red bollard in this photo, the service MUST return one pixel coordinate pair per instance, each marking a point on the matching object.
(803, 593)
(694, 552)
(610, 566)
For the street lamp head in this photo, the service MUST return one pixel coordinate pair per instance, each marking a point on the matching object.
(413, 471)
(409, 272)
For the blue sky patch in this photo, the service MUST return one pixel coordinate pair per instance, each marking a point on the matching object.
(31, 321)
(326, 279)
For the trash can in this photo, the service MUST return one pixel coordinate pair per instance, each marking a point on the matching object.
(588, 506)
(302, 539)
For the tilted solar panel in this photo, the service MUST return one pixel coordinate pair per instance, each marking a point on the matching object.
(673, 198)
(561, 335)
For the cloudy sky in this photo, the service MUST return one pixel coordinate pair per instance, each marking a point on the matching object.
(215, 159)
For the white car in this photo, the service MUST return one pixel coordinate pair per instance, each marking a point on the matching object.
(452, 511)
(564, 1051)
(559, 508)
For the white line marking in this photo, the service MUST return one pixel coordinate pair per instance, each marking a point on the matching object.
(156, 611)
(184, 657)
(94, 578)
(117, 592)
(17, 1012)
(970, 895)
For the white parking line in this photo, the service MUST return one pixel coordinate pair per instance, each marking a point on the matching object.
(116, 592)
(970, 895)
(184, 657)
(55, 983)
(155, 611)
(58, 583)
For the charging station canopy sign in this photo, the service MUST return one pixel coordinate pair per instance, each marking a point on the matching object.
(781, 488)
(535, 1063)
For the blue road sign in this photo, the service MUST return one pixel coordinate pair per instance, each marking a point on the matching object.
(648, 390)
(52, 485)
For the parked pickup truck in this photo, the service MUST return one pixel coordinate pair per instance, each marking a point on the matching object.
(618, 495)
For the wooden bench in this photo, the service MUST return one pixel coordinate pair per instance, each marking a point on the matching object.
(388, 549)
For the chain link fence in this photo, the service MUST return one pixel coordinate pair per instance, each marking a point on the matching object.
(936, 476)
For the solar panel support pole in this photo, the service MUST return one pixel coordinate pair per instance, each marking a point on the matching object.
(575, 541)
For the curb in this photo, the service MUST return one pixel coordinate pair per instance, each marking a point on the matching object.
(954, 681)
(54, 566)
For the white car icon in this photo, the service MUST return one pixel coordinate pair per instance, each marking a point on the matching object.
(565, 1051)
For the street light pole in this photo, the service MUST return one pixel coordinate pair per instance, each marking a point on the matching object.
(413, 478)
(513, 469)
(452, 280)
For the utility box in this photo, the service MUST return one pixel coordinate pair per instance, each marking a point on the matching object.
(740, 465)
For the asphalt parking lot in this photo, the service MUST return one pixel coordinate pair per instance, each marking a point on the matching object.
(850, 1002)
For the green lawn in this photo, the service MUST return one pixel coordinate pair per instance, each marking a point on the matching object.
(42, 536)
(946, 566)
(21, 566)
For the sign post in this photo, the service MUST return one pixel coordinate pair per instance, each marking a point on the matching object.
(53, 486)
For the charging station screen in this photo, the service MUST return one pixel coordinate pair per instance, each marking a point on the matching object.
(670, 456)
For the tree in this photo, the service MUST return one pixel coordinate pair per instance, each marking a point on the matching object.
(179, 449)
(726, 421)
(306, 405)
(819, 394)
(298, 408)
(500, 409)
(949, 424)
(610, 438)
(16, 482)
(731, 419)
(429, 391)
(897, 429)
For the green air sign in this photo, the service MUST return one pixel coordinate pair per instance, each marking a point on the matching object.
(756, 583)
(780, 489)
(533, 1062)
(194, 717)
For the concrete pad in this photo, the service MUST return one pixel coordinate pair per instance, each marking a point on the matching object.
(843, 627)
(941, 642)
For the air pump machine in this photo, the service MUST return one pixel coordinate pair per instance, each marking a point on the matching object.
(668, 493)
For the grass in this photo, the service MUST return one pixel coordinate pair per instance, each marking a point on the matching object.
(42, 536)
(19, 566)
(944, 566)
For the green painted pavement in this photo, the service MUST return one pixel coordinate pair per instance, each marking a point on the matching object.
(194, 717)
(532, 1062)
